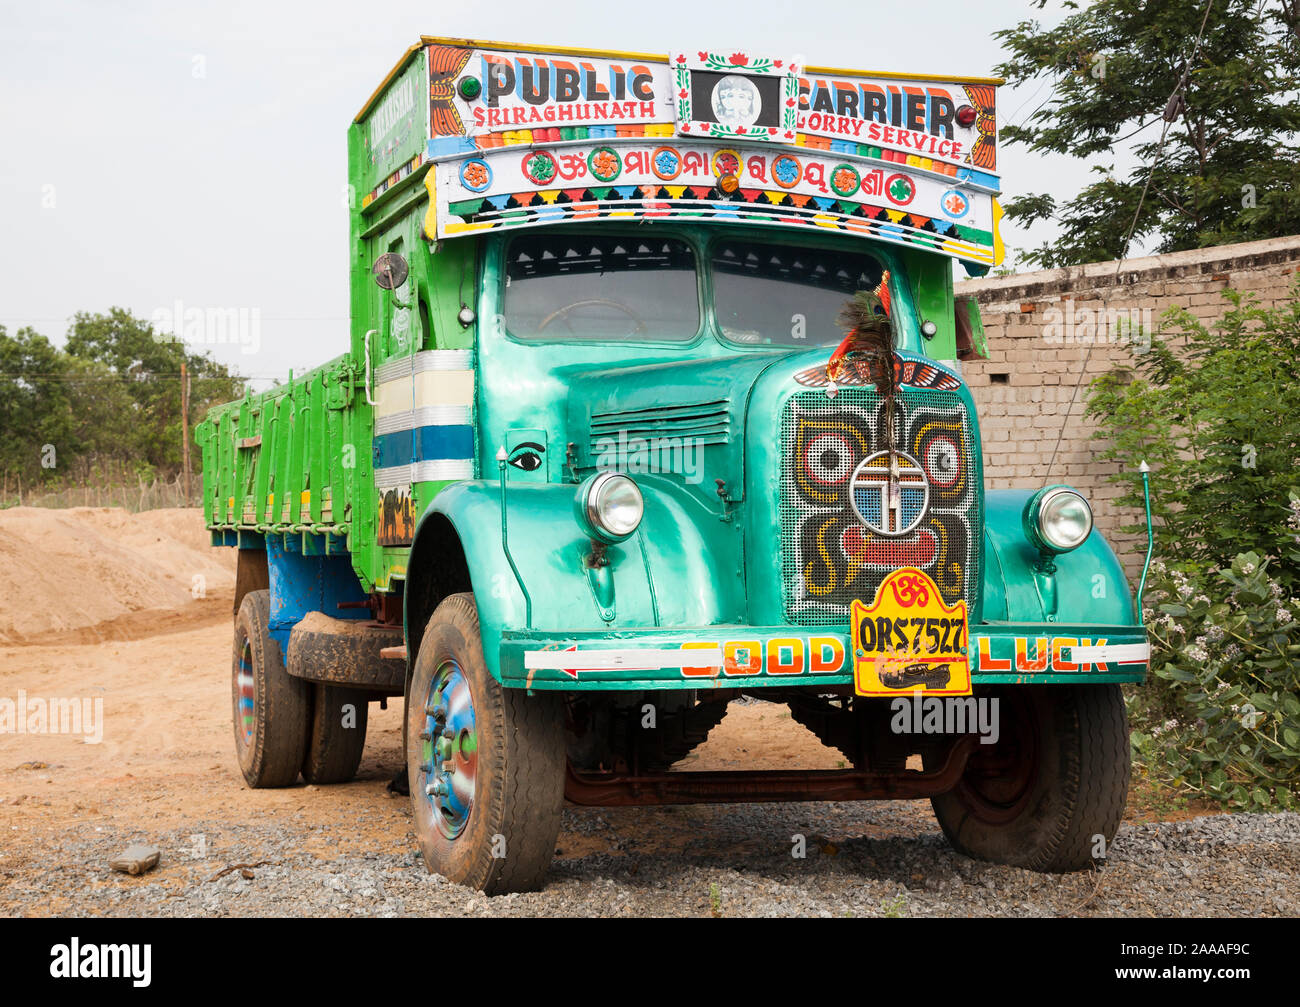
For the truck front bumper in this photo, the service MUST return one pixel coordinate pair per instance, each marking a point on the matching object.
(729, 657)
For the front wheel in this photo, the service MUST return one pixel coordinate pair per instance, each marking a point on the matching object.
(485, 763)
(1050, 793)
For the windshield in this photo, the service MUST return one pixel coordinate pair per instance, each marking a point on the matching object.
(783, 294)
(564, 287)
(601, 287)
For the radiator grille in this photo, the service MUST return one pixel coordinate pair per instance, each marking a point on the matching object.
(703, 422)
(829, 557)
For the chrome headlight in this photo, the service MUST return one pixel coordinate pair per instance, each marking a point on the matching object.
(1057, 519)
(609, 506)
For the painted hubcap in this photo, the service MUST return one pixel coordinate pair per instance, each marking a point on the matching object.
(244, 689)
(450, 764)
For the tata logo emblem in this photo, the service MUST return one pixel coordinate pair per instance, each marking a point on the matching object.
(889, 493)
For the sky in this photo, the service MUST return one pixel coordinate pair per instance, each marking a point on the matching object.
(193, 155)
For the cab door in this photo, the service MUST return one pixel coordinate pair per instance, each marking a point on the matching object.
(394, 342)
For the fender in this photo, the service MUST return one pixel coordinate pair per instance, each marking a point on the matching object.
(664, 574)
(1091, 586)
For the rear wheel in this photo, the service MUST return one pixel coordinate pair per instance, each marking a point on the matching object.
(1050, 793)
(338, 734)
(270, 705)
(486, 764)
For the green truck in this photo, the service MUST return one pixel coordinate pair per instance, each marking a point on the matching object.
(654, 401)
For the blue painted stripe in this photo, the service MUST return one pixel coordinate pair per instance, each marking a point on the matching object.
(433, 443)
(985, 179)
(445, 146)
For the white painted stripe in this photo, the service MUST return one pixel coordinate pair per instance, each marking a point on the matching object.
(392, 369)
(1119, 652)
(628, 659)
(425, 360)
(443, 388)
(443, 360)
(394, 477)
(430, 389)
(441, 469)
(438, 470)
(393, 398)
(425, 416)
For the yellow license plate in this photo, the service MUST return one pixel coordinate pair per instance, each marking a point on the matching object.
(908, 640)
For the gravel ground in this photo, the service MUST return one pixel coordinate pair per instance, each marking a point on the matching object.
(868, 859)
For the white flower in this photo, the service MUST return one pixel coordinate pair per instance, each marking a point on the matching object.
(1282, 615)
(1196, 652)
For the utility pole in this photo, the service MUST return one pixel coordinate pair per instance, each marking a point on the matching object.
(185, 431)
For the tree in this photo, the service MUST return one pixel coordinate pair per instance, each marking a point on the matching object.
(35, 409)
(1226, 171)
(112, 395)
(148, 365)
(54, 409)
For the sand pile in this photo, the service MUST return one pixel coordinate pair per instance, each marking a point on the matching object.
(70, 569)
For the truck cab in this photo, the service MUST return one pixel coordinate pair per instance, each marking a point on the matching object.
(654, 400)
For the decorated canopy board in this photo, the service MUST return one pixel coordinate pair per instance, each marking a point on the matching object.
(520, 137)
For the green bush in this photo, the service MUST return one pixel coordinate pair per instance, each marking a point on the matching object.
(1212, 409)
(1220, 717)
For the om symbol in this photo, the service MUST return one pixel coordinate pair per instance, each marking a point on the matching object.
(910, 591)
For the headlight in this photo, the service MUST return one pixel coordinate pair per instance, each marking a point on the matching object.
(1057, 519)
(609, 506)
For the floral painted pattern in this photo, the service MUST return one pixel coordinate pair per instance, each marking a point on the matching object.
(605, 164)
(539, 167)
(845, 180)
(475, 175)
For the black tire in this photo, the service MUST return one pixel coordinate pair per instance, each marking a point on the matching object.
(337, 735)
(1050, 794)
(270, 706)
(505, 838)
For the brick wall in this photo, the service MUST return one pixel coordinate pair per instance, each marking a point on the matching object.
(1024, 390)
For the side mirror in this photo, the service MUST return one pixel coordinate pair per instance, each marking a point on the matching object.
(390, 270)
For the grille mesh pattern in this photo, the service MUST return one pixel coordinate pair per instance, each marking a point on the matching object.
(829, 557)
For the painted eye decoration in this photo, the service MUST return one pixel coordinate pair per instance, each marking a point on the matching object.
(828, 459)
(527, 456)
(942, 462)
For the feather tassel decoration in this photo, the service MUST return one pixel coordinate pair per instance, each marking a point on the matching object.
(867, 351)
